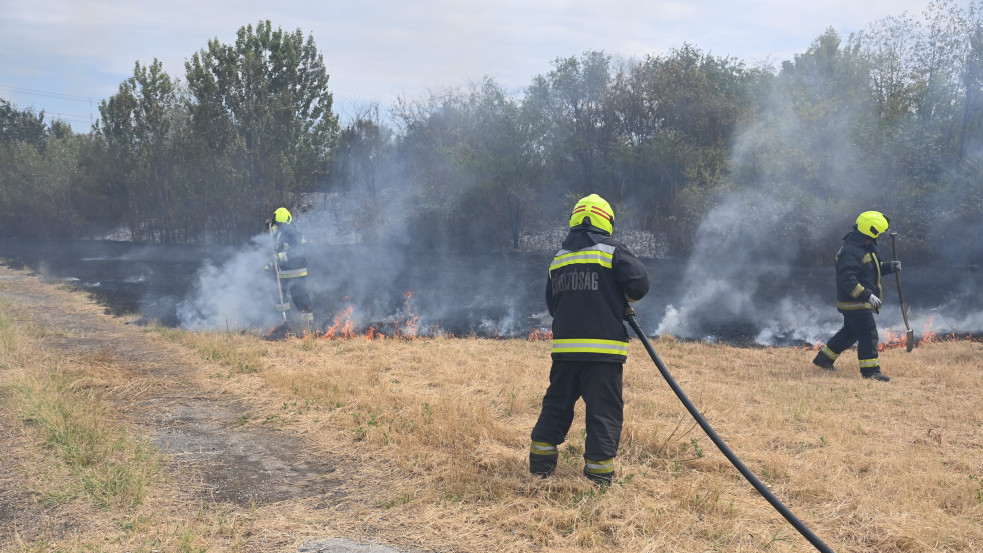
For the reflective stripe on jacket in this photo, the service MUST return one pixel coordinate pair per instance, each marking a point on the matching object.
(290, 246)
(858, 274)
(590, 346)
(293, 273)
(591, 280)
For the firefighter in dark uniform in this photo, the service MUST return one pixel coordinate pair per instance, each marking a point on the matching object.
(591, 280)
(858, 295)
(292, 261)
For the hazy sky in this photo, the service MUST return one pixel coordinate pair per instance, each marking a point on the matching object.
(64, 56)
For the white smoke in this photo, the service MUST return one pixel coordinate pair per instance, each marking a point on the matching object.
(737, 281)
(237, 294)
(364, 272)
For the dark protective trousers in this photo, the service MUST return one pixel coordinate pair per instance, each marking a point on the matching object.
(860, 329)
(294, 289)
(600, 385)
(297, 288)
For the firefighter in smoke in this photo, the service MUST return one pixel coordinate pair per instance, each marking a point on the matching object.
(858, 295)
(591, 280)
(291, 262)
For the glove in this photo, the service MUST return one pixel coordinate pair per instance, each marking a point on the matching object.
(895, 265)
(269, 223)
(874, 301)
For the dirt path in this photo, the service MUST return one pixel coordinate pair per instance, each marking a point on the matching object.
(198, 428)
(216, 457)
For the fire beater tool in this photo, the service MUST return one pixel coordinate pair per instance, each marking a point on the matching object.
(282, 306)
(721, 445)
(910, 335)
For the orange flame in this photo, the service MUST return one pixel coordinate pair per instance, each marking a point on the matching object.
(891, 340)
(344, 328)
(538, 334)
(410, 328)
(928, 333)
(412, 323)
(813, 347)
(927, 336)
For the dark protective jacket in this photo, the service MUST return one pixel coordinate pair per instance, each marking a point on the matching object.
(858, 274)
(591, 280)
(290, 250)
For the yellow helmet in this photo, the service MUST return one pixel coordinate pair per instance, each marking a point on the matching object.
(281, 215)
(872, 223)
(596, 210)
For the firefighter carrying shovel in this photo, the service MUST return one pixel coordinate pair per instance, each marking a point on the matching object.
(289, 264)
(858, 295)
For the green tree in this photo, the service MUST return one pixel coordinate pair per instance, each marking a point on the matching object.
(499, 138)
(99, 196)
(801, 145)
(471, 165)
(361, 151)
(675, 117)
(38, 167)
(364, 168)
(21, 126)
(136, 124)
(568, 109)
(268, 99)
(432, 131)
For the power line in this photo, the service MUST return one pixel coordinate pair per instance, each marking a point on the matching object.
(73, 116)
(49, 94)
(68, 116)
(52, 115)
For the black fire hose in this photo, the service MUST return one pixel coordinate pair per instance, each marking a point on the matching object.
(762, 489)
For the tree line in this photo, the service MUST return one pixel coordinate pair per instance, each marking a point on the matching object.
(890, 118)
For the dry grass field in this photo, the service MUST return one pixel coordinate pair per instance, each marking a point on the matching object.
(431, 437)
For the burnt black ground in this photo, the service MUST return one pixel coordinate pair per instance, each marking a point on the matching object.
(152, 280)
(128, 278)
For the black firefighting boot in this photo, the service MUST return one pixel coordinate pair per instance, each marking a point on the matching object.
(823, 361)
(542, 458)
(874, 374)
(599, 472)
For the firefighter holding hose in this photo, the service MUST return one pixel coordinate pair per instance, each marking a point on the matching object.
(591, 280)
(858, 295)
(290, 262)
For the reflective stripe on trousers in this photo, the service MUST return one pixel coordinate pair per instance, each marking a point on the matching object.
(829, 353)
(543, 448)
(600, 467)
